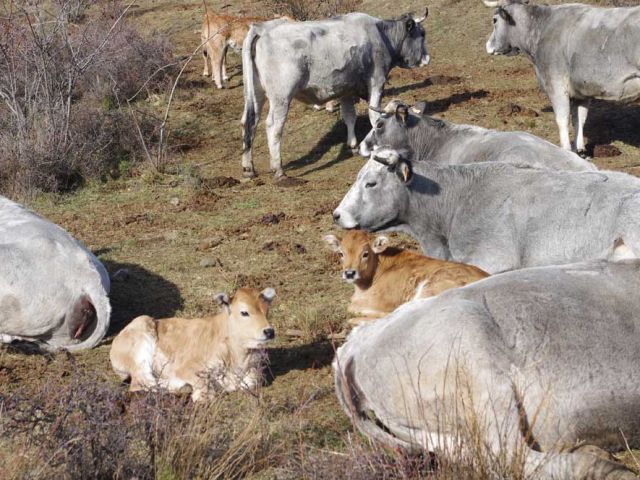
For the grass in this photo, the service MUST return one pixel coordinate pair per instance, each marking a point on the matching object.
(294, 428)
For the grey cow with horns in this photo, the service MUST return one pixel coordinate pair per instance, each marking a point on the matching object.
(346, 57)
(579, 53)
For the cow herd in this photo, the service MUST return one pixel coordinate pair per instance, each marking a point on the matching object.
(522, 324)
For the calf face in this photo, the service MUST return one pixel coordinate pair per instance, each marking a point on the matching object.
(358, 254)
(248, 310)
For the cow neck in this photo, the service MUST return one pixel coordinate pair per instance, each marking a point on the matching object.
(537, 17)
(428, 136)
(395, 35)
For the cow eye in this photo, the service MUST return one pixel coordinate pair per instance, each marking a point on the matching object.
(365, 255)
(495, 20)
(341, 254)
(370, 184)
(380, 125)
(244, 313)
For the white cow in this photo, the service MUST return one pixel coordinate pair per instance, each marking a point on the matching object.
(53, 290)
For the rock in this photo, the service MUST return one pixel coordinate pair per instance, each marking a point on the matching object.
(121, 275)
(208, 243)
(515, 109)
(606, 150)
(208, 262)
(175, 201)
(171, 236)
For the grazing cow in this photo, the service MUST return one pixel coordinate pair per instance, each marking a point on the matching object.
(53, 290)
(207, 354)
(533, 362)
(497, 216)
(443, 143)
(579, 52)
(346, 57)
(386, 277)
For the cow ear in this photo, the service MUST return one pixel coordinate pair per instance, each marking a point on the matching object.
(420, 107)
(402, 112)
(222, 300)
(410, 24)
(267, 295)
(506, 16)
(380, 244)
(405, 172)
(333, 242)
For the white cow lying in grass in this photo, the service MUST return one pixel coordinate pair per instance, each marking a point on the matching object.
(208, 354)
(536, 361)
(52, 289)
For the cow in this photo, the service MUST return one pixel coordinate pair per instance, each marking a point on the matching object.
(53, 290)
(208, 354)
(495, 215)
(579, 53)
(537, 367)
(408, 129)
(345, 57)
(386, 277)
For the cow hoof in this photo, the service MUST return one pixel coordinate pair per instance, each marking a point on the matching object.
(583, 154)
(248, 172)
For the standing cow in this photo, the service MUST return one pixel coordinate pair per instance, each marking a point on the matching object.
(494, 215)
(579, 52)
(444, 143)
(52, 289)
(346, 57)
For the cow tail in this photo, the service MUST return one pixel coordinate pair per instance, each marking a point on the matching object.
(97, 297)
(249, 75)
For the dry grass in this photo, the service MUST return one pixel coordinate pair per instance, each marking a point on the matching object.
(153, 224)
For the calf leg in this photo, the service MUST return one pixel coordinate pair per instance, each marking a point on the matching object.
(224, 67)
(348, 112)
(278, 110)
(217, 58)
(562, 110)
(579, 113)
(205, 56)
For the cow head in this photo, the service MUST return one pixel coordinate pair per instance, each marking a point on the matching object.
(247, 314)
(392, 128)
(412, 50)
(502, 40)
(359, 254)
(380, 194)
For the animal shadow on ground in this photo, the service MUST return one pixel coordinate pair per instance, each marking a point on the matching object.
(336, 136)
(608, 122)
(141, 293)
(282, 360)
(443, 104)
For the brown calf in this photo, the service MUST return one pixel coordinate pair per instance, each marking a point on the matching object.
(386, 277)
(209, 354)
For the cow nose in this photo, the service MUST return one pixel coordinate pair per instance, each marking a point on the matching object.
(336, 216)
(349, 274)
(269, 333)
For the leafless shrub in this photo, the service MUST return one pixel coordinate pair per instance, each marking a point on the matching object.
(303, 10)
(60, 122)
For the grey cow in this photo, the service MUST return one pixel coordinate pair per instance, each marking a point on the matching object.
(52, 289)
(497, 216)
(579, 52)
(346, 57)
(444, 143)
(541, 362)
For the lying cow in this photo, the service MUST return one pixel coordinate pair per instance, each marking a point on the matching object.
(444, 143)
(204, 353)
(579, 52)
(497, 216)
(534, 362)
(386, 277)
(53, 290)
(346, 57)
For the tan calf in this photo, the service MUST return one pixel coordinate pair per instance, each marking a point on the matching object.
(208, 354)
(386, 277)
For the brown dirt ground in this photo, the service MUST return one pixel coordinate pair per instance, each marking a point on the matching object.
(153, 224)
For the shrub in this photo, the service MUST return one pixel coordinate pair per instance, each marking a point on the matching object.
(61, 121)
(303, 10)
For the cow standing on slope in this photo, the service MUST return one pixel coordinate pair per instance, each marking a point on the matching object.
(579, 53)
(346, 57)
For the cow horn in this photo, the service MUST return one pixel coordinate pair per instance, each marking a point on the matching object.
(374, 109)
(390, 160)
(423, 18)
(491, 4)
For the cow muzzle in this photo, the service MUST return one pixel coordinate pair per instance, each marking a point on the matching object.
(344, 219)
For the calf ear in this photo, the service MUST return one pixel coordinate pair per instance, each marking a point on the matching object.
(405, 172)
(222, 300)
(402, 112)
(380, 244)
(267, 295)
(333, 242)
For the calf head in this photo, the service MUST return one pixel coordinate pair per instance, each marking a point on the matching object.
(504, 38)
(380, 195)
(393, 127)
(412, 50)
(247, 314)
(358, 253)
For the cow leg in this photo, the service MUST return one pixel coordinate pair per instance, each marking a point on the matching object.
(375, 98)
(278, 110)
(348, 112)
(562, 110)
(250, 124)
(579, 113)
